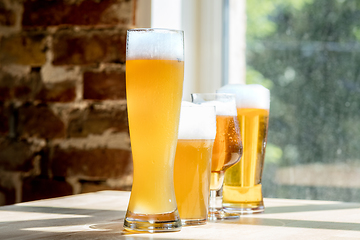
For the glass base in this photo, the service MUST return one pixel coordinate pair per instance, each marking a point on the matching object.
(244, 208)
(220, 214)
(114, 226)
(167, 222)
(190, 222)
(216, 210)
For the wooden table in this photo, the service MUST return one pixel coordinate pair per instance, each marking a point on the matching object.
(100, 216)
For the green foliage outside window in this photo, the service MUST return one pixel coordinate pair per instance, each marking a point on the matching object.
(307, 52)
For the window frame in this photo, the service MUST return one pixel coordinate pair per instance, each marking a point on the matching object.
(211, 28)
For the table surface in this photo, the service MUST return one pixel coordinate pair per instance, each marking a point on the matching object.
(100, 215)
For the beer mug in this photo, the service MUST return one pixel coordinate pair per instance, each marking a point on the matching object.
(227, 147)
(197, 129)
(154, 83)
(242, 186)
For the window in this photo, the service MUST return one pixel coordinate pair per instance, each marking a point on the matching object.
(202, 21)
(307, 52)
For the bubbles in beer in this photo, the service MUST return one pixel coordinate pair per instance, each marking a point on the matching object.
(159, 44)
(248, 96)
(197, 122)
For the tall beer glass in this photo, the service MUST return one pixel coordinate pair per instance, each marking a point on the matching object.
(242, 186)
(197, 131)
(227, 147)
(154, 83)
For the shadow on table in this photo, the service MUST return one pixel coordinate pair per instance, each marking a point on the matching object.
(11, 229)
(93, 224)
(299, 223)
(311, 207)
(108, 224)
(256, 219)
(113, 236)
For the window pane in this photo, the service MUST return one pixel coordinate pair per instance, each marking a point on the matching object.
(307, 53)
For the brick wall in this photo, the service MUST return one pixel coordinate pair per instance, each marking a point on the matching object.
(63, 120)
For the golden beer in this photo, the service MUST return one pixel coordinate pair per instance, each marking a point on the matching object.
(242, 185)
(227, 148)
(197, 130)
(153, 141)
(154, 91)
(242, 190)
(192, 179)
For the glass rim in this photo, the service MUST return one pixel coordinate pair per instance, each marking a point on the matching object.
(226, 95)
(225, 102)
(155, 30)
(155, 43)
(214, 94)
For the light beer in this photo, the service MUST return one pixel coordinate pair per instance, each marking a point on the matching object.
(154, 80)
(153, 141)
(242, 186)
(197, 131)
(192, 179)
(227, 147)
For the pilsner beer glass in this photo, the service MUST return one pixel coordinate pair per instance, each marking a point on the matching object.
(242, 187)
(197, 129)
(154, 83)
(227, 147)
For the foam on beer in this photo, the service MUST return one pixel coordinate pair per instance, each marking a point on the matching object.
(197, 121)
(248, 96)
(223, 108)
(155, 44)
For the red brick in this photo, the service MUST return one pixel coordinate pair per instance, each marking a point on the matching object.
(23, 49)
(7, 83)
(21, 88)
(95, 164)
(27, 87)
(89, 47)
(36, 188)
(7, 17)
(4, 119)
(94, 186)
(57, 92)
(7, 196)
(5, 93)
(104, 85)
(31, 87)
(16, 155)
(40, 13)
(39, 121)
(96, 119)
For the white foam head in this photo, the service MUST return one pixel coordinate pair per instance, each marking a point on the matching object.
(152, 43)
(197, 121)
(224, 103)
(248, 96)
